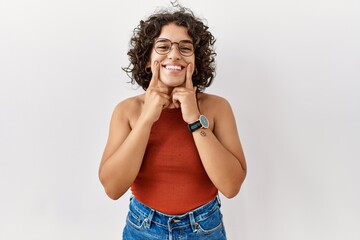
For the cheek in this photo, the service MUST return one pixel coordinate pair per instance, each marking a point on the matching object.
(154, 57)
(191, 60)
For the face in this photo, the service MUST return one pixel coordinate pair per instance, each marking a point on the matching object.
(173, 65)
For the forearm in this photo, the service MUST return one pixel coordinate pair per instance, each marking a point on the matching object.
(223, 167)
(120, 170)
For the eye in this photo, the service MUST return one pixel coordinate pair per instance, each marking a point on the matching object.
(186, 48)
(162, 47)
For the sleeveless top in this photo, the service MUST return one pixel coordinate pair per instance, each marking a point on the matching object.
(172, 179)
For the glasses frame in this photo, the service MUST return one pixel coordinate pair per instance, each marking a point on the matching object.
(171, 44)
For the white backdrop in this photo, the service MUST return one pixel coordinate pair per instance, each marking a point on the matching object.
(289, 68)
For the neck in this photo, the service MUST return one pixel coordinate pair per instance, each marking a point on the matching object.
(169, 90)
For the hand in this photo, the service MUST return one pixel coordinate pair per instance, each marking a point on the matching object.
(156, 98)
(185, 97)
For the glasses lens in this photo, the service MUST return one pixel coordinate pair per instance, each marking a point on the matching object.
(186, 48)
(163, 46)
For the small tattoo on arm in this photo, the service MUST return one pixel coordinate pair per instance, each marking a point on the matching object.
(202, 133)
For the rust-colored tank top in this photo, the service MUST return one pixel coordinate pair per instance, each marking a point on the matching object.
(172, 178)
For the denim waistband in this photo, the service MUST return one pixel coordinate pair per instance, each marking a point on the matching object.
(174, 221)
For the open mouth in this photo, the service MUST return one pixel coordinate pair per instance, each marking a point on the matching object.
(173, 67)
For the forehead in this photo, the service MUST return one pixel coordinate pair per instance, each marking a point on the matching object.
(174, 32)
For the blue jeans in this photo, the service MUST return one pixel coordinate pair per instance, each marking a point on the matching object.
(144, 223)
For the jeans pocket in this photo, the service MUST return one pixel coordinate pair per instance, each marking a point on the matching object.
(134, 220)
(212, 223)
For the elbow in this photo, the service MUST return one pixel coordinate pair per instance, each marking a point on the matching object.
(111, 194)
(233, 188)
(231, 193)
(111, 191)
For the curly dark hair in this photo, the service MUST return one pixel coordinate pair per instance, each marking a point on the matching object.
(141, 45)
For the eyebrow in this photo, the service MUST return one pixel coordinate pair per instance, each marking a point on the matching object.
(165, 39)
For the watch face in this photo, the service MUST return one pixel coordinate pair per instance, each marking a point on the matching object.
(204, 122)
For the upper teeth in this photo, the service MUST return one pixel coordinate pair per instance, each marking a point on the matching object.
(173, 67)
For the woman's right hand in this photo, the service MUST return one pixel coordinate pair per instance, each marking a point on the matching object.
(156, 98)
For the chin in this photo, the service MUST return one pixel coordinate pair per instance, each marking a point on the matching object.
(173, 82)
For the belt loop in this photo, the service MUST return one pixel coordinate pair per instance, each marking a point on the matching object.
(193, 224)
(218, 200)
(149, 218)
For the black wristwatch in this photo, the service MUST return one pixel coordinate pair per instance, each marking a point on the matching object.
(203, 122)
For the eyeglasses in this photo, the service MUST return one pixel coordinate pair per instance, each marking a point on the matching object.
(163, 46)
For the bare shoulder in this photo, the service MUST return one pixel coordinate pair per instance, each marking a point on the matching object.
(129, 105)
(217, 109)
(129, 108)
(212, 103)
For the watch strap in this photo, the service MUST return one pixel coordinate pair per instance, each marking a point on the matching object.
(194, 126)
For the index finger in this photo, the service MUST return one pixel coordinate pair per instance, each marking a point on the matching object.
(155, 75)
(189, 72)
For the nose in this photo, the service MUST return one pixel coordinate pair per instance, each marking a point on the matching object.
(174, 52)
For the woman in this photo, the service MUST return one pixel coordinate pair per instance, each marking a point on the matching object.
(174, 145)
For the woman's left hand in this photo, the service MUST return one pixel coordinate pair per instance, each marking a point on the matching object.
(185, 97)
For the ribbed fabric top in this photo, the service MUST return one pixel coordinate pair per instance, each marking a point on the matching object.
(172, 178)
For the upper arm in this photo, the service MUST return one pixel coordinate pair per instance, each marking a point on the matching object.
(118, 131)
(225, 129)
